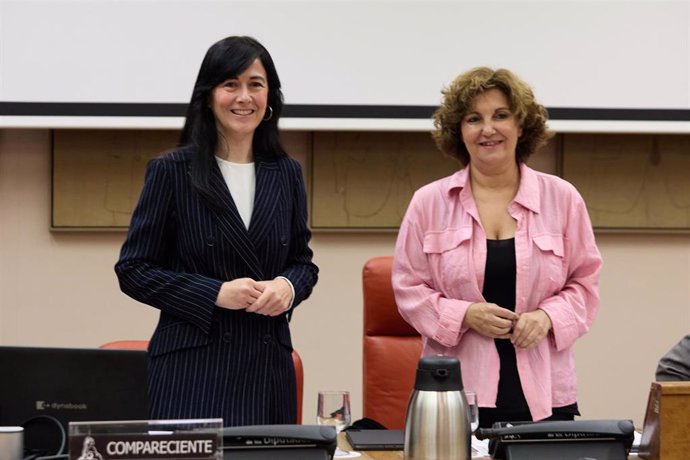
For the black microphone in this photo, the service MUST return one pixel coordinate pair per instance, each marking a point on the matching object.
(561, 431)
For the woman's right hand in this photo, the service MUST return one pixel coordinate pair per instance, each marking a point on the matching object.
(490, 320)
(238, 294)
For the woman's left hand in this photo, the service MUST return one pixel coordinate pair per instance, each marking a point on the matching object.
(530, 329)
(275, 298)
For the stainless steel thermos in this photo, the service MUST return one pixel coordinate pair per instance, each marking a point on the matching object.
(437, 425)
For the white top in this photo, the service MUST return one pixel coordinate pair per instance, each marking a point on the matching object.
(241, 181)
(11, 429)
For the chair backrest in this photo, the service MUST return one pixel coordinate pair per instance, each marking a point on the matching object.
(299, 369)
(392, 348)
(127, 345)
(299, 377)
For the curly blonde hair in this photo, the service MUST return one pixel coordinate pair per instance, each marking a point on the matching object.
(458, 99)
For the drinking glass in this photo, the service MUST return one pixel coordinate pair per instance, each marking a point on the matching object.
(472, 409)
(333, 409)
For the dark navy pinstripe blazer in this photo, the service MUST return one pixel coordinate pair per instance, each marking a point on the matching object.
(205, 361)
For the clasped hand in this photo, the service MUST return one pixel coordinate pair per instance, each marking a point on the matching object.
(525, 330)
(269, 298)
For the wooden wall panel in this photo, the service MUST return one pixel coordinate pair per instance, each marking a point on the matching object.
(98, 175)
(631, 182)
(366, 179)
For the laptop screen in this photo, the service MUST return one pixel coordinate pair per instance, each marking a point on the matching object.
(70, 384)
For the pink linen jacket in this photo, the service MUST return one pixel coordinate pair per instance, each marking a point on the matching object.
(438, 272)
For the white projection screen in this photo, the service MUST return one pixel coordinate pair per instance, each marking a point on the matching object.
(630, 55)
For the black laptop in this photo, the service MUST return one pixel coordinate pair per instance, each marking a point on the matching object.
(40, 387)
(376, 439)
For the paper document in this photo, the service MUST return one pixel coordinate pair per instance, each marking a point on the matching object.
(480, 449)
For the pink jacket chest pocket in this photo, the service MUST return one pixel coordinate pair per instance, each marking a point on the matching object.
(450, 259)
(549, 262)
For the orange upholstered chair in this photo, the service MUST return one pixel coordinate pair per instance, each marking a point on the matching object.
(392, 348)
(299, 376)
(127, 345)
(299, 369)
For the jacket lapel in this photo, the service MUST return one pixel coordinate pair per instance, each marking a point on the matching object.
(231, 225)
(267, 196)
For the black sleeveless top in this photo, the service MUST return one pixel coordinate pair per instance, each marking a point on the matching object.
(499, 288)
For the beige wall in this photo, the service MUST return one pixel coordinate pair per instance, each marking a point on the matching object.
(58, 289)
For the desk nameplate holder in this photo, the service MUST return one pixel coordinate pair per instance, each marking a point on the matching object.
(198, 439)
(666, 432)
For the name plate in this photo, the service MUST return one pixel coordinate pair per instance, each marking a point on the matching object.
(146, 440)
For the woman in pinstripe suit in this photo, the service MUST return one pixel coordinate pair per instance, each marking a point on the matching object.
(219, 244)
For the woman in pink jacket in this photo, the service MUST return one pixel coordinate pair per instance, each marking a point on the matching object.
(497, 264)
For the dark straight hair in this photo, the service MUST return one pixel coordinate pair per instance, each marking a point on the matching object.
(226, 59)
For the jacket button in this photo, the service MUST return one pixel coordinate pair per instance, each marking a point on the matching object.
(227, 337)
(210, 240)
(283, 241)
(267, 339)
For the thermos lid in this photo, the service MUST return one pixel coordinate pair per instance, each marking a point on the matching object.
(438, 373)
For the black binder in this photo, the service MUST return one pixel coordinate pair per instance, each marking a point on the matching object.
(376, 439)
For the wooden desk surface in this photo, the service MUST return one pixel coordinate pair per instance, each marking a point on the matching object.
(374, 454)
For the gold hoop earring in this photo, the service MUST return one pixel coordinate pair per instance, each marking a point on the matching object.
(270, 115)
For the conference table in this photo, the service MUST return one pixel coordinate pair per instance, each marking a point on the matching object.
(373, 454)
(376, 454)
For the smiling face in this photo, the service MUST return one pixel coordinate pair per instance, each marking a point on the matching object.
(490, 130)
(239, 104)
